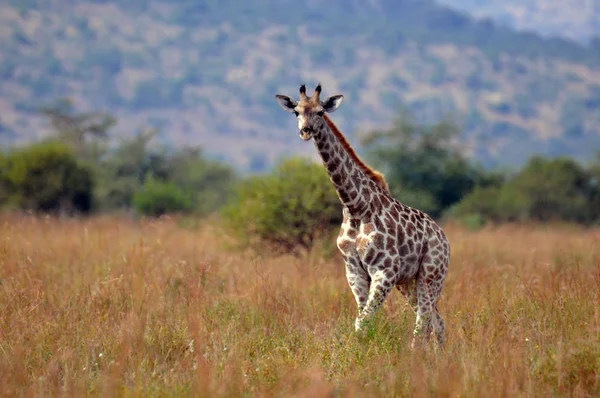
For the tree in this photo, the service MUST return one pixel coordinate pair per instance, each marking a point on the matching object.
(209, 182)
(543, 190)
(126, 168)
(156, 198)
(46, 177)
(123, 170)
(424, 165)
(286, 211)
(557, 189)
(77, 129)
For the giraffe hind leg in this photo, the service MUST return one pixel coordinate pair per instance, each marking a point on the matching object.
(429, 321)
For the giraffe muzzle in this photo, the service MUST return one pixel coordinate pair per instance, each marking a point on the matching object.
(306, 133)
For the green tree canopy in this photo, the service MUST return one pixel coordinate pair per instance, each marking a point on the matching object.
(545, 189)
(286, 211)
(424, 165)
(45, 177)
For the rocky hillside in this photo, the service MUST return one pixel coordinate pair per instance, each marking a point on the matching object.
(206, 72)
(575, 19)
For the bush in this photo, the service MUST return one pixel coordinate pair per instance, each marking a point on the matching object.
(286, 211)
(45, 177)
(544, 190)
(156, 198)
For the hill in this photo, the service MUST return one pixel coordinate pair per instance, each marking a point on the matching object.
(206, 72)
(575, 19)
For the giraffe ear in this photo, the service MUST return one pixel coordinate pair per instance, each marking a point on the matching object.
(286, 103)
(332, 103)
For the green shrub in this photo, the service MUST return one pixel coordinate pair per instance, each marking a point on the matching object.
(286, 211)
(156, 198)
(45, 177)
(544, 190)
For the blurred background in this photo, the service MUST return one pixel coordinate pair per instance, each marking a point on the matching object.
(478, 110)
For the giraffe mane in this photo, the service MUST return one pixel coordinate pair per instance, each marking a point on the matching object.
(373, 174)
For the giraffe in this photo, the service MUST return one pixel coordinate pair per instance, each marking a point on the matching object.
(384, 243)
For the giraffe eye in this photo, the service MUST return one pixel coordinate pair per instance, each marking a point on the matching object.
(320, 113)
(296, 113)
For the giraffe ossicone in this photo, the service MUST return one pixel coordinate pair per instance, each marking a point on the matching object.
(385, 244)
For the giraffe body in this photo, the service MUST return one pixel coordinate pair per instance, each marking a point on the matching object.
(385, 244)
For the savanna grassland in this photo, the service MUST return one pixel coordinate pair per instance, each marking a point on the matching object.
(106, 306)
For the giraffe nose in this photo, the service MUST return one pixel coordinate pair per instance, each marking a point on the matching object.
(306, 129)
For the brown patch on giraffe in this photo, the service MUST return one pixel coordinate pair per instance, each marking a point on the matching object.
(400, 236)
(345, 246)
(378, 241)
(361, 245)
(378, 224)
(390, 223)
(410, 229)
(368, 228)
(385, 202)
(377, 258)
(351, 233)
(376, 205)
(369, 257)
(390, 242)
(336, 178)
(344, 196)
(369, 172)
(404, 250)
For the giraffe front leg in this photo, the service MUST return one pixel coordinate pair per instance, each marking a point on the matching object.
(359, 283)
(377, 295)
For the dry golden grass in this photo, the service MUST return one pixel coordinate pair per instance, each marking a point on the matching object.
(111, 307)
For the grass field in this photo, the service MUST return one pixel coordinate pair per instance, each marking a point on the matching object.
(121, 308)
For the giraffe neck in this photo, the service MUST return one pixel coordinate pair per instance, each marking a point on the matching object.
(353, 187)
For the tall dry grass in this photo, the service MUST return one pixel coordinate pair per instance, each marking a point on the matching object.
(111, 307)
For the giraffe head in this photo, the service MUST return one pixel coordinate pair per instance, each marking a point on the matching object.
(309, 110)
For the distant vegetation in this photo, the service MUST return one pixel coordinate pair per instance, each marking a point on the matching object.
(205, 72)
(81, 169)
